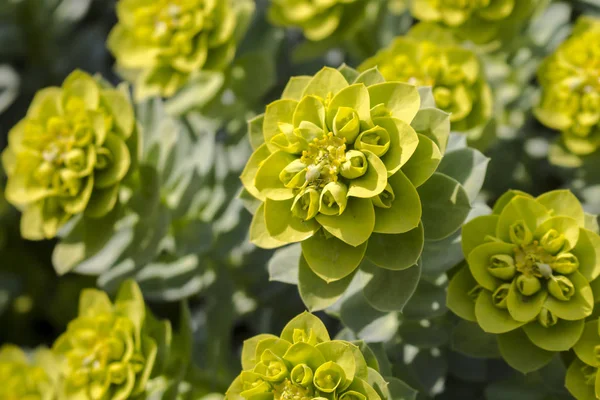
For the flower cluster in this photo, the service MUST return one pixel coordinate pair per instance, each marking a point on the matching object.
(303, 363)
(69, 155)
(428, 56)
(583, 378)
(570, 98)
(108, 351)
(318, 20)
(160, 45)
(22, 378)
(529, 268)
(480, 21)
(338, 162)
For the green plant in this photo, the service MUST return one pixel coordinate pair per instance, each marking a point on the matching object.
(162, 45)
(528, 277)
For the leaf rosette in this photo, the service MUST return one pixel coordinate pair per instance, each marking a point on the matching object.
(111, 349)
(338, 168)
(70, 154)
(479, 21)
(583, 379)
(530, 265)
(304, 363)
(161, 45)
(570, 95)
(319, 20)
(25, 378)
(428, 56)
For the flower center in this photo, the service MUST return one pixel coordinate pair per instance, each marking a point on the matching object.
(533, 260)
(323, 159)
(288, 391)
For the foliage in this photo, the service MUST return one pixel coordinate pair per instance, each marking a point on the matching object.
(422, 174)
(530, 265)
(69, 155)
(479, 21)
(163, 45)
(429, 56)
(305, 362)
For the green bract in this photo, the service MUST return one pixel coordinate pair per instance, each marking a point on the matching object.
(69, 155)
(528, 274)
(336, 167)
(583, 378)
(304, 363)
(108, 351)
(317, 19)
(570, 98)
(160, 45)
(428, 56)
(22, 378)
(480, 21)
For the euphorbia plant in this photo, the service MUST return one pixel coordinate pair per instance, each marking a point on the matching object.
(479, 21)
(304, 363)
(70, 154)
(160, 45)
(23, 377)
(430, 56)
(570, 95)
(339, 168)
(318, 20)
(111, 350)
(528, 277)
(583, 378)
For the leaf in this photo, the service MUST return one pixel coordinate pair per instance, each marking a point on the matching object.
(283, 266)
(306, 322)
(560, 337)
(469, 339)
(405, 213)
(520, 353)
(369, 324)
(316, 293)
(563, 203)
(590, 338)
(255, 132)
(283, 226)
(355, 225)
(445, 206)
(401, 99)
(468, 167)
(458, 299)
(435, 124)
(428, 301)
(424, 161)
(396, 252)
(94, 245)
(491, 318)
(576, 382)
(197, 93)
(330, 258)
(388, 290)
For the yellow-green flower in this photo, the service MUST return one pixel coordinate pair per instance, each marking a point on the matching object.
(479, 21)
(318, 19)
(337, 161)
(69, 154)
(161, 44)
(528, 277)
(428, 56)
(570, 98)
(107, 352)
(303, 363)
(583, 375)
(22, 378)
